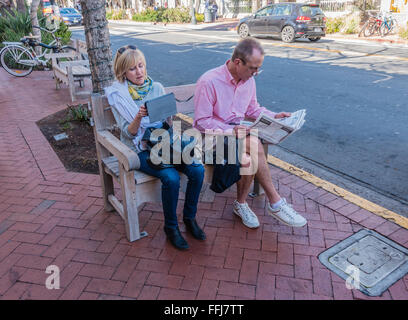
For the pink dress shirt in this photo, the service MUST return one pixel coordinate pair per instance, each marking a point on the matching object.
(220, 103)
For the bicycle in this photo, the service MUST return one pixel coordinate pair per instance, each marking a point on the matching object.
(19, 58)
(388, 25)
(372, 25)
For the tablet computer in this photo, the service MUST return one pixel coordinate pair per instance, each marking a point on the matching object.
(161, 108)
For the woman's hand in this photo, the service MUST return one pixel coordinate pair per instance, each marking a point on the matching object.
(282, 115)
(142, 112)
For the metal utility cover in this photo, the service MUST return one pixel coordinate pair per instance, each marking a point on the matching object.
(60, 136)
(380, 261)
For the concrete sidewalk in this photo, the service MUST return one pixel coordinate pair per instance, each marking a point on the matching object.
(49, 216)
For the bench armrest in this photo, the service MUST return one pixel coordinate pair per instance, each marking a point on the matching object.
(122, 152)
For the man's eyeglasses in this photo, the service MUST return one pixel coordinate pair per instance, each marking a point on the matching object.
(255, 70)
(124, 48)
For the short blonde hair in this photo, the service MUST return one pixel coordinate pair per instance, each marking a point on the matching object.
(126, 60)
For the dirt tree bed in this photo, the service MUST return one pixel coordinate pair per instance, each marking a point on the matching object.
(78, 151)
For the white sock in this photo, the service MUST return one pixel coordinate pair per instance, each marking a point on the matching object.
(276, 204)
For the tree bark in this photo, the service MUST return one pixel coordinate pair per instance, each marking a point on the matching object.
(98, 43)
(6, 5)
(21, 6)
(34, 22)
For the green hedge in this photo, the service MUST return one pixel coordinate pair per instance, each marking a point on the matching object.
(180, 15)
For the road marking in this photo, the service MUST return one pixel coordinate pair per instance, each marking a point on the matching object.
(387, 77)
(330, 187)
(353, 53)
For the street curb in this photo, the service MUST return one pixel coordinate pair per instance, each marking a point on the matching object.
(330, 187)
(397, 42)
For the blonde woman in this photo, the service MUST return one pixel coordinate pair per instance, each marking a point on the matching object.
(127, 96)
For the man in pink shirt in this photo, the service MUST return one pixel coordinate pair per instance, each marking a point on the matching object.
(224, 97)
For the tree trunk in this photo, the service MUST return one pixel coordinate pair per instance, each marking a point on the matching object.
(98, 43)
(6, 5)
(34, 22)
(21, 6)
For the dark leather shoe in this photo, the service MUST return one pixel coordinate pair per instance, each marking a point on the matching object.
(176, 239)
(194, 229)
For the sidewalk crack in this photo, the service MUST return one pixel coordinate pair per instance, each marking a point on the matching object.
(32, 154)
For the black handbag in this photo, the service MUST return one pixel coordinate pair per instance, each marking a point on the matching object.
(225, 174)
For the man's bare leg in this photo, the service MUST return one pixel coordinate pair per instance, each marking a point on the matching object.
(262, 174)
(243, 187)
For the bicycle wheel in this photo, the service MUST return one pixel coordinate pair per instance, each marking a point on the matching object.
(384, 30)
(369, 30)
(18, 61)
(363, 29)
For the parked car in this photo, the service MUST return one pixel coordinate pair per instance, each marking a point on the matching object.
(288, 20)
(70, 16)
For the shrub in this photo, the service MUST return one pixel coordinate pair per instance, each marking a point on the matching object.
(200, 17)
(403, 32)
(181, 15)
(79, 113)
(116, 14)
(333, 25)
(350, 24)
(149, 15)
(119, 15)
(17, 25)
(109, 14)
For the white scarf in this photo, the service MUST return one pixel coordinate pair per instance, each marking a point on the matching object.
(119, 97)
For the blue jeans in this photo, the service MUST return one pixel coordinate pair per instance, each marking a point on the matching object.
(170, 180)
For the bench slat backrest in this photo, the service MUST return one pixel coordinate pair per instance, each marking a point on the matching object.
(104, 119)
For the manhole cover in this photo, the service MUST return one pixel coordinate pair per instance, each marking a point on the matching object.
(368, 260)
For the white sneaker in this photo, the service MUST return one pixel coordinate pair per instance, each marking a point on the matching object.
(287, 215)
(248, 217)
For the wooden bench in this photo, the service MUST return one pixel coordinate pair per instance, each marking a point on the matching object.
(118, 162)
(73, 69)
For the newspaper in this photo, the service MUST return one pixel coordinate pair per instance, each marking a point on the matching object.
(274, 130)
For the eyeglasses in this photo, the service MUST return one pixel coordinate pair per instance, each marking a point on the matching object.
(255, 70)
(124, 48)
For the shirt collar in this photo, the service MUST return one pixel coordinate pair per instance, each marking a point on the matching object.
(228, 76)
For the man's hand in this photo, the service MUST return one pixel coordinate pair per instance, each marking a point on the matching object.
(241, 131)
(282, 115)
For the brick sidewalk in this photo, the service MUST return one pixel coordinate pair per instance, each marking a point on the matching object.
(49, 216)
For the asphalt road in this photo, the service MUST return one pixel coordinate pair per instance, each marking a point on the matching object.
(356, 133)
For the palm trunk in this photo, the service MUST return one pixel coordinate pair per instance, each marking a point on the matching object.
(34, 22)
(98, 43)
(21, 6)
